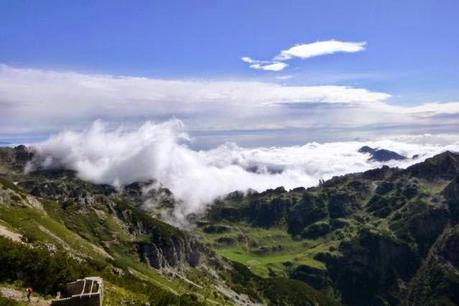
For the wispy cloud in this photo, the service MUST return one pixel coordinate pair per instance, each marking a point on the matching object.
(41, 99)
(264, 65)
(305, 51)
(320, 48)
(284, 77)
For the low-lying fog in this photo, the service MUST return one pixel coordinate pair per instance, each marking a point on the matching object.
(162, 152)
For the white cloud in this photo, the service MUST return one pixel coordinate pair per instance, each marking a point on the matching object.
(305, 51)
(249, 60)
(160, 152)
(264, 65)
(42, 101)
(427, 112)
(430, 109)
(274, 66)
(320, 48)
(284, 77)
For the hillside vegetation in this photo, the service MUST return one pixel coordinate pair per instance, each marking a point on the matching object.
(383, 237)
(58, 228)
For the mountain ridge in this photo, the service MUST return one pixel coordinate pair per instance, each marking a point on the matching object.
(386, 236)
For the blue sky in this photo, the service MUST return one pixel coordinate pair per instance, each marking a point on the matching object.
(411, 51)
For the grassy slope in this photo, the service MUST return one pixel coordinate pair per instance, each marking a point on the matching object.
(101, 239)
(286, 249)
(246, 239)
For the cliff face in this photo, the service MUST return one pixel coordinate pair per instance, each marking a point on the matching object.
(161, 245)
(171, 253)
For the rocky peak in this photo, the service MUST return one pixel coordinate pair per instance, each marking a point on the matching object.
(381, 155)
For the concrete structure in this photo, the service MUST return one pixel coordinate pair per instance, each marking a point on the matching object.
(88, 291)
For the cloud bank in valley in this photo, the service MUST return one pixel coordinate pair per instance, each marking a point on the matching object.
(161, 152)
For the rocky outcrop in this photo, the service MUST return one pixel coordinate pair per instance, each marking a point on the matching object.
(162, 245)
(174, 252)
(14, 159)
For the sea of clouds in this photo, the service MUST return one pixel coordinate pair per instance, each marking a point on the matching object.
(162, 152)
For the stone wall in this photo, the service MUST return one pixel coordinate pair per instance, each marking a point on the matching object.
(83, 292)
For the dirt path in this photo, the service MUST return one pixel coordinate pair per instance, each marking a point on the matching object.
(20, 296)
(9, 234)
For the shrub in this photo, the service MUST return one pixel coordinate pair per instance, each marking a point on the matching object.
(37, 268)
(8, 302)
